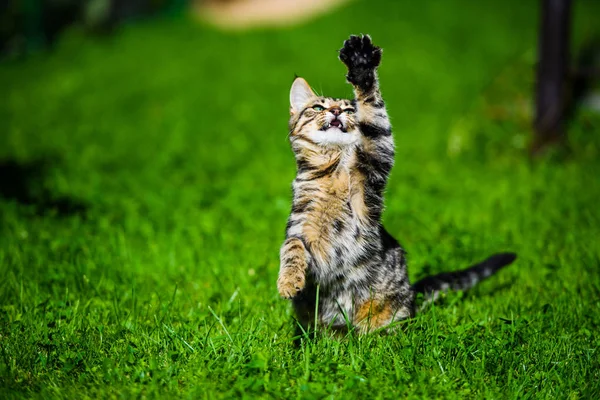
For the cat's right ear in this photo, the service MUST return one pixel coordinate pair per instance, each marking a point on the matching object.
(300, 95)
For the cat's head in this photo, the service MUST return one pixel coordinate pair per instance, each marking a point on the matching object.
(324, 121)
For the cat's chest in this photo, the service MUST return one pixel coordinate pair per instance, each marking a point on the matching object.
(338, 210)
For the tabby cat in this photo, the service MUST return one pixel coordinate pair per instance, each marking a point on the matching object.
(337, 252)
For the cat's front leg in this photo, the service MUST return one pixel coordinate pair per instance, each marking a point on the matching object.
(362, 58)
(293, 265)
(376, 155)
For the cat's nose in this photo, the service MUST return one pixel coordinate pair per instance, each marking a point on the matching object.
(335, 111)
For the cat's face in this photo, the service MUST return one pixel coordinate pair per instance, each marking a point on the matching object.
(322, 120)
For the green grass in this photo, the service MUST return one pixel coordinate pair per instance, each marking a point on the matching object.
(141, 258)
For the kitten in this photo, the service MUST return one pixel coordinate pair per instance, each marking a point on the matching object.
(335, 241)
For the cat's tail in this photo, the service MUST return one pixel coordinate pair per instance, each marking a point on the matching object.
(464, 279)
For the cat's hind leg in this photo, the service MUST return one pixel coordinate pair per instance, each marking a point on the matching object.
(392, 297)
(374, 314)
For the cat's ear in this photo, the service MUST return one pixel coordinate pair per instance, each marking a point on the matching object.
(300, 95)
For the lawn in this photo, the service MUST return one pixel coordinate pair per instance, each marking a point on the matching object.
(145, 185)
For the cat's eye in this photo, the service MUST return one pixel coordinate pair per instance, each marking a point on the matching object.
(318, 108)
(349, 111)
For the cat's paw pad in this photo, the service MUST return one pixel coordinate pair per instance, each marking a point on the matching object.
(359, 51)
(290, 283)
(361, 57)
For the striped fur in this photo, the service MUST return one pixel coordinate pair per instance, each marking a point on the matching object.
(335, 241)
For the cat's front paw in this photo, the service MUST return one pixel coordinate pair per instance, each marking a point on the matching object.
(362, 58)
(290, 282)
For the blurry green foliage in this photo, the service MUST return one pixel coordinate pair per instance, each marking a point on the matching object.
(30, 24)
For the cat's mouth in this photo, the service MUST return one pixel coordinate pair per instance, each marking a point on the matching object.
(336, 123)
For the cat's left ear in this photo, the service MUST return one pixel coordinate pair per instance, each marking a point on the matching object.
(300, 95)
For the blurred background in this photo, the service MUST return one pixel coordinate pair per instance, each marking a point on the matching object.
(145, 171)
(147, 115)
(121, 111)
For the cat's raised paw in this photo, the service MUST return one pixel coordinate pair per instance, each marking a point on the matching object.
(361, 57)
(290, 283)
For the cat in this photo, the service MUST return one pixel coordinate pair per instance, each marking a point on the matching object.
(337, 252)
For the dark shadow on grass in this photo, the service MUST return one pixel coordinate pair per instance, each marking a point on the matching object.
(24, 183)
